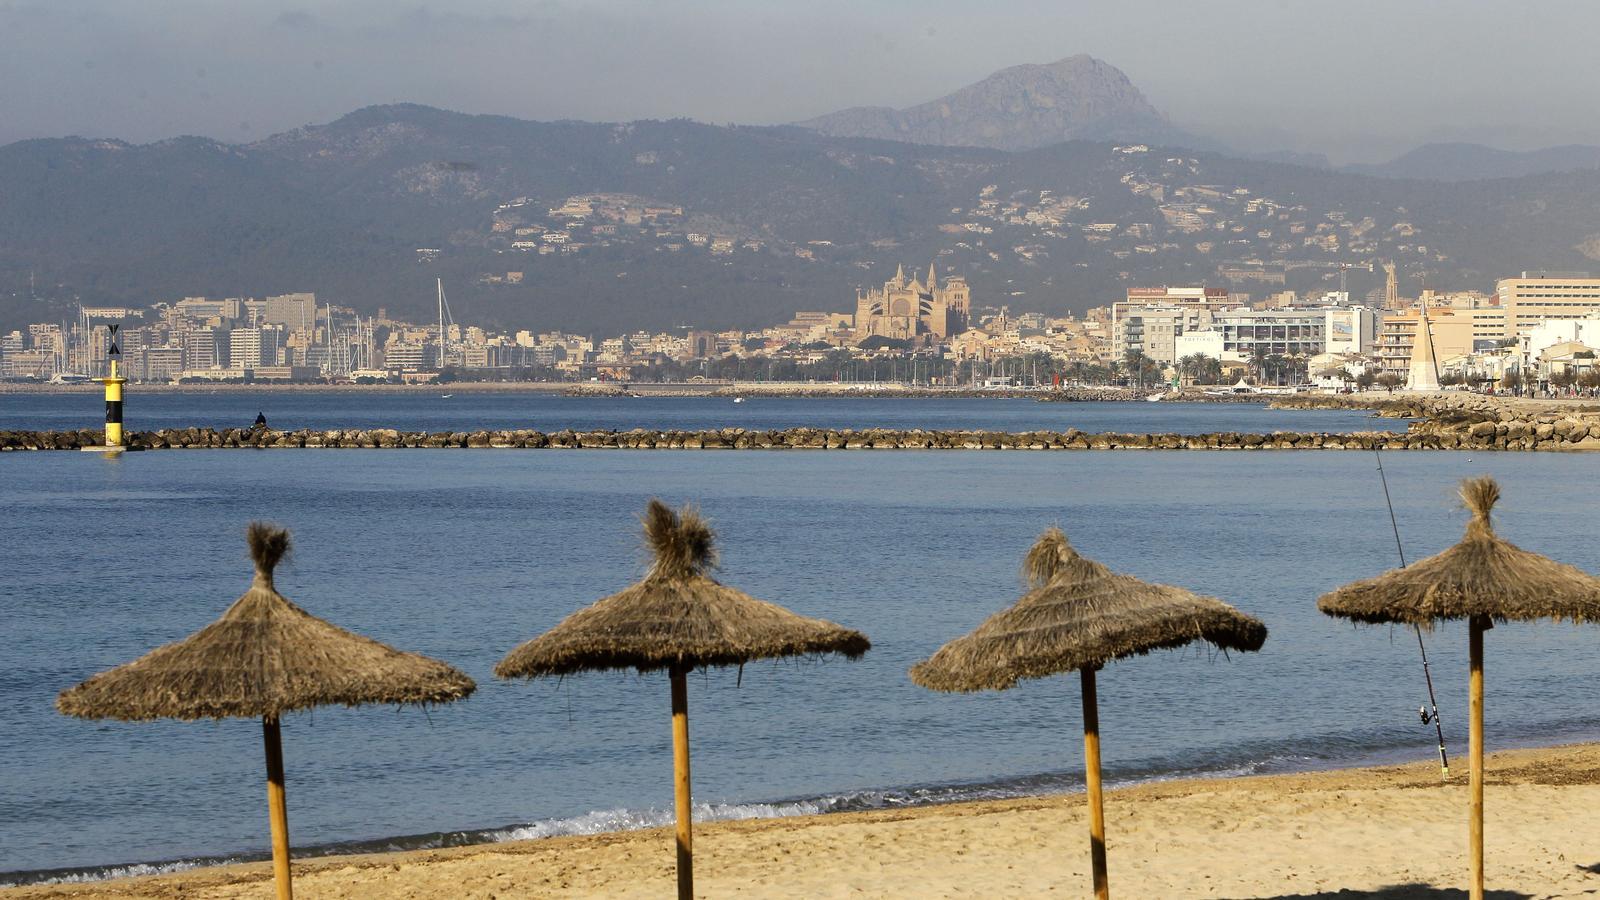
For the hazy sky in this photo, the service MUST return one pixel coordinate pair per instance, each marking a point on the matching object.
(1359, 80)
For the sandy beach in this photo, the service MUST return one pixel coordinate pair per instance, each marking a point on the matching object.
(1388, 832)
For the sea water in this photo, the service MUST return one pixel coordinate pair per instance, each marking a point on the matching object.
(462, 555)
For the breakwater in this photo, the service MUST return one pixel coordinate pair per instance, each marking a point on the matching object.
(1560, 435)
(1437, 422)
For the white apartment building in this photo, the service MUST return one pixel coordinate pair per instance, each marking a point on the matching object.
(252, 348)
(1545, 335)
(1272, 332)
(1349, 330)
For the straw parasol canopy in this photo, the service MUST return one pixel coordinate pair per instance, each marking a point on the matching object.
(1484, 575)
(677, 618)
(264, 657)
(1483, 579)
(1080, 615)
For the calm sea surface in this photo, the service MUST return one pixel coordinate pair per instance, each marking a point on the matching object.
(463, 555)
(429, 410)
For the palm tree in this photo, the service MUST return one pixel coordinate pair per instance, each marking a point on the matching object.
(1135, 362)
(1258, 362)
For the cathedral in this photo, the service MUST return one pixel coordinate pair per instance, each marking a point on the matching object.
(907, 309)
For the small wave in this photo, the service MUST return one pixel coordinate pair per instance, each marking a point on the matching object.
(101, 873)
(1338, 750)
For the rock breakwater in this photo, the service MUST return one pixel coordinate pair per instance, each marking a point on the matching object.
(1561, 433)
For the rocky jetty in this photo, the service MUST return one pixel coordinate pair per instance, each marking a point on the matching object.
(1560, 433)
(1444, 421)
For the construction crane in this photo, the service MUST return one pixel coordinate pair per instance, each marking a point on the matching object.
(1345, 267)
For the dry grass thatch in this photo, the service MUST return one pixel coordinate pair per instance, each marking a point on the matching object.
(1482, 575)
(677, 617)
(264, 657)
(1079, 614)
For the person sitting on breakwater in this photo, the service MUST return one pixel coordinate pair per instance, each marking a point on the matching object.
(261, 420)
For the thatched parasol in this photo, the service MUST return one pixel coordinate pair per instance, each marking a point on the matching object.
(678, 618)
(1482, 579)
(1080, 615)
(264, 657)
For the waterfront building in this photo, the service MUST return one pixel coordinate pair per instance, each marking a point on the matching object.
(1155, 331)
(1538, 297)
(253, 348)
(908, 309)
(1149, 320)
(1538, 340)
(1198, 343)
(1353, 330)
(201, 348)
(162, 363)
(1451, 331)
(405, 356)
(1248, 333)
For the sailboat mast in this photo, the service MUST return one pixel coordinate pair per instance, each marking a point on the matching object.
(441, 324)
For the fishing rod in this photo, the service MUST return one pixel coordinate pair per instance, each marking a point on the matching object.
(1427, 675)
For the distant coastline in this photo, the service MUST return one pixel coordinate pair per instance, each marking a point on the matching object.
(624, 389)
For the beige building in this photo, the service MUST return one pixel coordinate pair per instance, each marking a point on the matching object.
(1451, 330)
(1155, 331)
(908, 309)
(1535, 298)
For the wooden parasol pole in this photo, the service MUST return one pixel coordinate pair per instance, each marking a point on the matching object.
(680, 782)
(1478, 626)
(1091, 766)
(277, 811)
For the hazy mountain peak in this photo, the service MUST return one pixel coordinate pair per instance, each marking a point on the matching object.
(1019, 108)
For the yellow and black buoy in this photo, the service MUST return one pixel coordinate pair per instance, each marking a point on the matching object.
(113, 382)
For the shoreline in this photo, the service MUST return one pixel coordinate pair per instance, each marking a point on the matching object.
(1304, 834)
(765, 389)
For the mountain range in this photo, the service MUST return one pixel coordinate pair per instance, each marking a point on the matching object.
(1082, 98)
(655, 224)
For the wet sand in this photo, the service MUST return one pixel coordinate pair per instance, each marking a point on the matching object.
(1388, 832)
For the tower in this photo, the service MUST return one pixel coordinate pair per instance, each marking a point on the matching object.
(1391, 288)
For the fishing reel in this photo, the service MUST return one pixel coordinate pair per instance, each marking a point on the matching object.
(1427, 717)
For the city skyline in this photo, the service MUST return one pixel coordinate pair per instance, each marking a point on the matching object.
(1546, 323)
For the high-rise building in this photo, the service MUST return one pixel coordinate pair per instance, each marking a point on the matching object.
(1538, 297)
(253, 348)
(202, 348)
